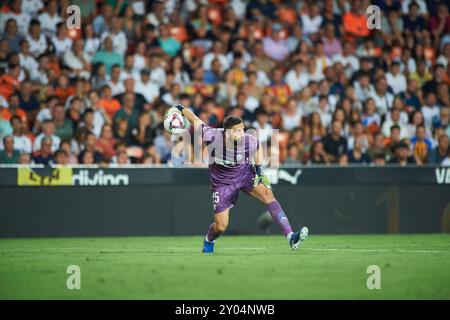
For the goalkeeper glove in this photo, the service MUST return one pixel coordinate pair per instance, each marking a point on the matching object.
(179, 107)
(261, 177)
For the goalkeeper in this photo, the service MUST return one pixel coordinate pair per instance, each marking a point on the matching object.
(231, 153)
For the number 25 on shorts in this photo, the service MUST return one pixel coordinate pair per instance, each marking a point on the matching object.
(215, 198)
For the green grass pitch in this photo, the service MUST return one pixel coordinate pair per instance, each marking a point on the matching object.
(243, 267)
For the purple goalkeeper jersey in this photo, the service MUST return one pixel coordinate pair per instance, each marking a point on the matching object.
(229, 163)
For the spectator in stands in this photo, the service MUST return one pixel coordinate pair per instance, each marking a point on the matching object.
(438, 154)
(318, 154)
(127, 112)
(354, 22)
(274, 46)
(61, 157)
(63, 126)
(107, 56)
(78, 60)
(421, 145)
(292, 155)
(117, 36)
(49, 18)
(401, 155)
(48, 130)
(394, 120)
(306, 66)
(11, 35)
(105, 143)
(379, 159)
(395, 79)
(147, 88)
(9, 155)
(334, 143)
(44, 155)
(90, 153)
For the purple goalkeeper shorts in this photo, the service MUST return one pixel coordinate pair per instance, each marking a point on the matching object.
(225, 196)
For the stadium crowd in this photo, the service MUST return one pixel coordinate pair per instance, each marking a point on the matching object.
(337, 91)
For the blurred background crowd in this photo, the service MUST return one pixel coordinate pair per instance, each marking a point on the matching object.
(337, 91)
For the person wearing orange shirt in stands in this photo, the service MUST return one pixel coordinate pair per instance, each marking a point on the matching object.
(64, 89)
(9, 82)
(6, 113)
(355, 22)
(108, 103)
(279, 89)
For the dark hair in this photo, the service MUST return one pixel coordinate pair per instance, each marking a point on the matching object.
(35, 22)
(420, 126)
(15, 117)
(61, 151)
(379, 156)
(149, 27)
(6, 137)
(231, 121)
(87, 111)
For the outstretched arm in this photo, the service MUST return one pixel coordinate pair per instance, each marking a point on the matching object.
(190, 116)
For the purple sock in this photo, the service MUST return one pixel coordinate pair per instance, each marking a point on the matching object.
(212, 233)
(279, 217)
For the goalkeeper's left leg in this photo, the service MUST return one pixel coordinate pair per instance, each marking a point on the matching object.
(273, 206)
(265, 195)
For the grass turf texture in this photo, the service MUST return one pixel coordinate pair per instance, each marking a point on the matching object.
(243, 267)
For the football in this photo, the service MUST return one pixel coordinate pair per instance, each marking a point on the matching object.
(175, 122)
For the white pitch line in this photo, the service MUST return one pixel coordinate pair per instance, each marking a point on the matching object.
(225, 248)
(376, 250)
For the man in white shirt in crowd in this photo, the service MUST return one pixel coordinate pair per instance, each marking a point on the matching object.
(77, 60)
(382, 97)
(347, 59)
(430, 110)
(22, 18)
(61, 41)
(115, 82)
(128, 71)
(119, 39)
(48, 130)
(146, 87)
(297, 78)
(157, 73)
(324, 110)
(216, 52)
(394, 120)
(36, 39)
(363, 88)
(50, 18)
(21, 142)
(32, 7)
(395, 79)
(312, 20)
(27, 61)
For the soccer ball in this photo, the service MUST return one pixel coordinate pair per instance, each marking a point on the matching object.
(175, 122)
